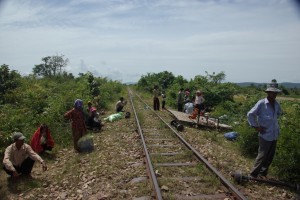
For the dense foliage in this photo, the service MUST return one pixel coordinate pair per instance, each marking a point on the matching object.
(9, 80)
(287, 159)
(28, 101)
(32, 101)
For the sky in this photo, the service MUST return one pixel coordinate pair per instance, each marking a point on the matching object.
(248, 40)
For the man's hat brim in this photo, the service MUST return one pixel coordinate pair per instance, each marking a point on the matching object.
(272, 89)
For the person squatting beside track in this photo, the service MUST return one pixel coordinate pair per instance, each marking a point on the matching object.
(120, 105)
(19, 157)
(42, 140)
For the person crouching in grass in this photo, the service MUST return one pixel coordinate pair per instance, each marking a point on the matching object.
(19, 157)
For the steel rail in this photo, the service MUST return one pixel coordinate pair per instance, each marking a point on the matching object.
(148, 160)
(235, 191)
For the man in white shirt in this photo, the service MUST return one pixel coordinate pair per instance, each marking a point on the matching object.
(19, 157)
(263, 117)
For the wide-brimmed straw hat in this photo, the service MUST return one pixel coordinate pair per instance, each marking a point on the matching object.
(273, 87)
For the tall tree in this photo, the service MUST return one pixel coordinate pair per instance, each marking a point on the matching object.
(58, 63)
(216, 78)
(44, 68)
(9, 80)
(52, 66)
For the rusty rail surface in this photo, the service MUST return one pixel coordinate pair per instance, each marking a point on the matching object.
(225, 182)
(148, 160)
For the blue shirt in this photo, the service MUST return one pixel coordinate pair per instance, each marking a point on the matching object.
(263, 114)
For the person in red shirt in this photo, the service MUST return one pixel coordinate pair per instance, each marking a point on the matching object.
(76, 115)
(42, 139)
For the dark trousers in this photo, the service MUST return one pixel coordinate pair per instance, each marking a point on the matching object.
(200, 107)
(266, 152)
(180, 107)
(119, 109)
(90, 121)
(46, 147)
(25, 167)
(163, 104)
(155, 103)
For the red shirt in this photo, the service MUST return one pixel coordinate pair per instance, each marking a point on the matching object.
(36, 138)
(77, 119)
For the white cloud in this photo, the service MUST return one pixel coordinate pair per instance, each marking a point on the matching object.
(126, 39)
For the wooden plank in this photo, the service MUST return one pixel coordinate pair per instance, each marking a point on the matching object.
(175, 164)
(203, 121)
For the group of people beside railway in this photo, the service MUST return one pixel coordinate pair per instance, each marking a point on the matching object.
(185, 102)
(190, 104)
(20, 157)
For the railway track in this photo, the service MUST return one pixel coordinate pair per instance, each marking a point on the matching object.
(175, 168)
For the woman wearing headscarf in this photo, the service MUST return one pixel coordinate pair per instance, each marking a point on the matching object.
(77, 117)
(42, 139)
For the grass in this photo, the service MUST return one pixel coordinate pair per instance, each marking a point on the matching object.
(185, 156)
(107, 171)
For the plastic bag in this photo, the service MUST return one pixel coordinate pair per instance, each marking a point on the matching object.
(86, 144)
(114, 117)
(231, 135)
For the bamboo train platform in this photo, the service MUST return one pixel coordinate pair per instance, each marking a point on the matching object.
(204, 121)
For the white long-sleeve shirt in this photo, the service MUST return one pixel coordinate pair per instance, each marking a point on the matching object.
(263, 115)
(199, 100)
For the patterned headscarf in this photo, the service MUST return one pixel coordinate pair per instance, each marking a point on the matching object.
(78, 103)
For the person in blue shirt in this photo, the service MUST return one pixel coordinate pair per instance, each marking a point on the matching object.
(263, 117)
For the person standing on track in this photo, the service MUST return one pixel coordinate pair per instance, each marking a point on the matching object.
(155, 98)
(163, 96)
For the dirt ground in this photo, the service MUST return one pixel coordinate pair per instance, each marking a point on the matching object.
(106, 173)
(115, 169)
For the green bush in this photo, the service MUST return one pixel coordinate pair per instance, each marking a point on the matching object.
(248, 139)
(44, 100)
(287, 159)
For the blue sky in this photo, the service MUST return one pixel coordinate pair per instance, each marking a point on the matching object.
(249, 40)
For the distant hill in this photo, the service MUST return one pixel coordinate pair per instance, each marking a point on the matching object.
(285, 84)
(130, 83)
(245, 84)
